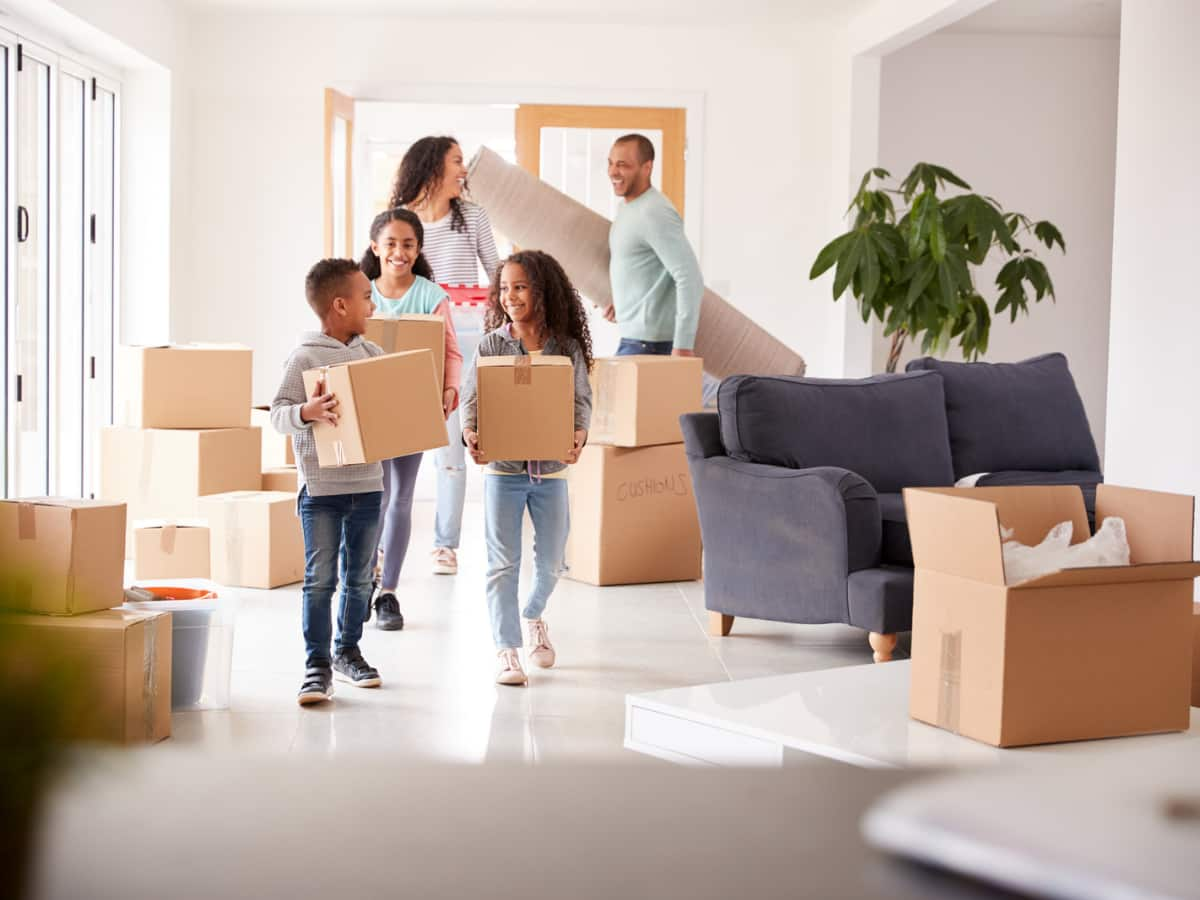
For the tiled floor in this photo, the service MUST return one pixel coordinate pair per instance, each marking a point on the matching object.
(439, 699)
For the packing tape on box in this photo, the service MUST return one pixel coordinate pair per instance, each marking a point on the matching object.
(523, 370)
(606, 389)
(166, 539)
(950, 681)
(26, 522)
(339, 453)
(149, 668)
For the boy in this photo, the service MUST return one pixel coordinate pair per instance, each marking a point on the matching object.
(339, 507)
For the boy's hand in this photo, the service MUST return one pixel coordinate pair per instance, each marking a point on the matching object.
(472, 439)
(321, 407)
(449, 395)
(580, 439)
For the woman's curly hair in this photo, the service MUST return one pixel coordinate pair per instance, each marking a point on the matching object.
(554, 297)
(420, 175)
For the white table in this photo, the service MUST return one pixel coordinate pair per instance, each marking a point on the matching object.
(856, 714)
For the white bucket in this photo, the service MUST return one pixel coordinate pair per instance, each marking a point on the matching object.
(201, 639)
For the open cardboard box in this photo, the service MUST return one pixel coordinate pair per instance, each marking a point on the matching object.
(1073, 655)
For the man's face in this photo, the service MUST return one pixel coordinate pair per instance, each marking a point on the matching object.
(627, 174)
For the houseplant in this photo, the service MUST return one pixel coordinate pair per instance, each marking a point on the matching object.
(913, 269)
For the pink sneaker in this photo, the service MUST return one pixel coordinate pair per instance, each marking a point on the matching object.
(445, 561)
(541, 651)
(510, 668)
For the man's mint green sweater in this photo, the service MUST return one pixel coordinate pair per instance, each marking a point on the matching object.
(656, 280)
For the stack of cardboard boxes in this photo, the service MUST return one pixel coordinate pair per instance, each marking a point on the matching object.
(62, 565)
(183, 434)
(278, 458)
(633, 514)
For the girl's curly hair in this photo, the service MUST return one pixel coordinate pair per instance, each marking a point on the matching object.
(554, 297)
(420, 175)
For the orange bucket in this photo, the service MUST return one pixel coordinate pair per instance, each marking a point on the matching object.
(178, 593)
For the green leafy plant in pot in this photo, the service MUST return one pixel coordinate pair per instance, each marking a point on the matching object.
(913, 269)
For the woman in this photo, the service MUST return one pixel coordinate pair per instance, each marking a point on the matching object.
(458, 238)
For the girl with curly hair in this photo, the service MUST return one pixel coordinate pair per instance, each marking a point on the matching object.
(533, 310)
(431, 181)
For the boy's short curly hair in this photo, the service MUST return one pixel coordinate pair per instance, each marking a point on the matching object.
(325, 281)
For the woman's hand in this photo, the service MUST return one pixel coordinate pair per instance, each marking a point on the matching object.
(580, 439)
(449, 398)
(472, 439)
(321, 407)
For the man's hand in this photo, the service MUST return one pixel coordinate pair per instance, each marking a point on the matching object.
(321, 407)
(611, 313)
(449, 395)
(682, 352)
(580, 439)
(472, 439)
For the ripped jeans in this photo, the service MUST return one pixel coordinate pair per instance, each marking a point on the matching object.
(451, 462)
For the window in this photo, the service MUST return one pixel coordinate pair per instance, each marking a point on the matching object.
(57, 246)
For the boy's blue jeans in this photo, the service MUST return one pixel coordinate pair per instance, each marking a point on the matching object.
(506, 498)
(631, 347)
(338, 529)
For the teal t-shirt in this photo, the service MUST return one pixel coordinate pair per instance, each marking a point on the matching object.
(420, 299)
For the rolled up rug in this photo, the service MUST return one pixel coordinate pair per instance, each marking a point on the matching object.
(538, 216)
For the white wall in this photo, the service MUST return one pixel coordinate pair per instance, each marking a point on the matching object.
(1154, 367)
(256, 178)
(1031, 121)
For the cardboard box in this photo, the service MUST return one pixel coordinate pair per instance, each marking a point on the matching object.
(170, 549)
(162, 473)
(284, 478)
(633, 516)
(184, 386)
(1073, 655)
(61, 557)
(256, 538)
(388, 406)
(526, 407)
(637, 400)
(1196, 655)
(121, 661)
(412, 332)
(276, 448)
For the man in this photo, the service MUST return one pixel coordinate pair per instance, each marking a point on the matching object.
(656, 280)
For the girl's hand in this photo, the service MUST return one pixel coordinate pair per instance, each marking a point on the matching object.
(580, 439)
(321, 407)
(449, 397)
(472, 439)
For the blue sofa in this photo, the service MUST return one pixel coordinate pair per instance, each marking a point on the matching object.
(798, 480)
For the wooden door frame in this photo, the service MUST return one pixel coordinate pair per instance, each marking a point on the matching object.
(338, 106)
(672, 122)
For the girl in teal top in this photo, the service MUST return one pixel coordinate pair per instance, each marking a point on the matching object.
(401, 284)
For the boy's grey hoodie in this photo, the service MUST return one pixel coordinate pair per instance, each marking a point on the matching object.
(315, 350)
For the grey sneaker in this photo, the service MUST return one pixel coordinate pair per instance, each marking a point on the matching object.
(355, 670)
(317, 686)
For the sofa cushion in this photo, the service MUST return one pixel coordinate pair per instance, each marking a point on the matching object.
(896, 546)
(890, 429)
(1014, 416)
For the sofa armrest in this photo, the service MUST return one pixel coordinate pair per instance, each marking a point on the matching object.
(702, 434)
(780, 543)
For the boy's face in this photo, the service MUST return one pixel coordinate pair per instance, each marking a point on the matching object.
(354, 306)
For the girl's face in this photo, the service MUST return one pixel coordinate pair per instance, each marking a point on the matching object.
(454, 172)
(516, 295)
(397, 248)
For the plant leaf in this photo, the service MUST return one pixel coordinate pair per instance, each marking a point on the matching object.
(828, 255)
(847, 264)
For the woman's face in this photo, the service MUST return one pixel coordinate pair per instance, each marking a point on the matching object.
(397, 248)
(516, 297)
(454, 172)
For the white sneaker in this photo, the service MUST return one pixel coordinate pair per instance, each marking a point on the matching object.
(445, 561)
(541, 651)
(510, 668)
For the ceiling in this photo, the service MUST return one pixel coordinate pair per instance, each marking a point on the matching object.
(690, 12)
(1075, 18)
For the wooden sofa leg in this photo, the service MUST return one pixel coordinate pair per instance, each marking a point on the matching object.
(883, 645)
(719, 624)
